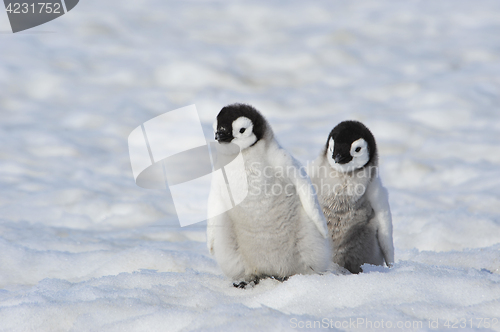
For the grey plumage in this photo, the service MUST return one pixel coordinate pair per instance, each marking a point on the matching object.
(346, 197)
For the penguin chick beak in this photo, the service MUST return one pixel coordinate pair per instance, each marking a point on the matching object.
(339, 159)
(222, 137)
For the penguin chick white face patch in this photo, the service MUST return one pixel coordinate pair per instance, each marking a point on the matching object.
(243, 132)
(358, 151)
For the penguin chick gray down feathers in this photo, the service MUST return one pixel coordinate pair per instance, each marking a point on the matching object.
(353, 199)
(279, 229)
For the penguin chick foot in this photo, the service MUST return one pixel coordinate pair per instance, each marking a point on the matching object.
(353, 268)
(245, 285)
(281, 279)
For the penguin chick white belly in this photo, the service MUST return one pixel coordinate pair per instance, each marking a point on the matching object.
(273, 234)
(266, 228)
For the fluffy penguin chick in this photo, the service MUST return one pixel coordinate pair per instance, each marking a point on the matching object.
(279, 229)
(353, 199)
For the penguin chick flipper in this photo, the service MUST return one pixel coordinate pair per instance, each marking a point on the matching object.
(379, 200)
(212, 225)
(304, 187)
(216, 207)
(221, 239)
(225, 248)
(210, 235)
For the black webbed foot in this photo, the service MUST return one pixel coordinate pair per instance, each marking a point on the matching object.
(244, 284)
(241, 284)
(353, 268)
(281, 279)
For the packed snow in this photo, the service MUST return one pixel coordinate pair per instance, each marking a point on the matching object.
(82, 248)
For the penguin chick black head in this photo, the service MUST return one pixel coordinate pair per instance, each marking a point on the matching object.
(240, 124)
(350, 146)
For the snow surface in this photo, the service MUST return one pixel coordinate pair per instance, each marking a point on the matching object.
(82, 248)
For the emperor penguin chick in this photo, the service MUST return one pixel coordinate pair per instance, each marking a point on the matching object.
(278, 229)
(353, 199)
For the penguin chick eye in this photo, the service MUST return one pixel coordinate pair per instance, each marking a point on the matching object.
(358, 149)
(242, 130)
